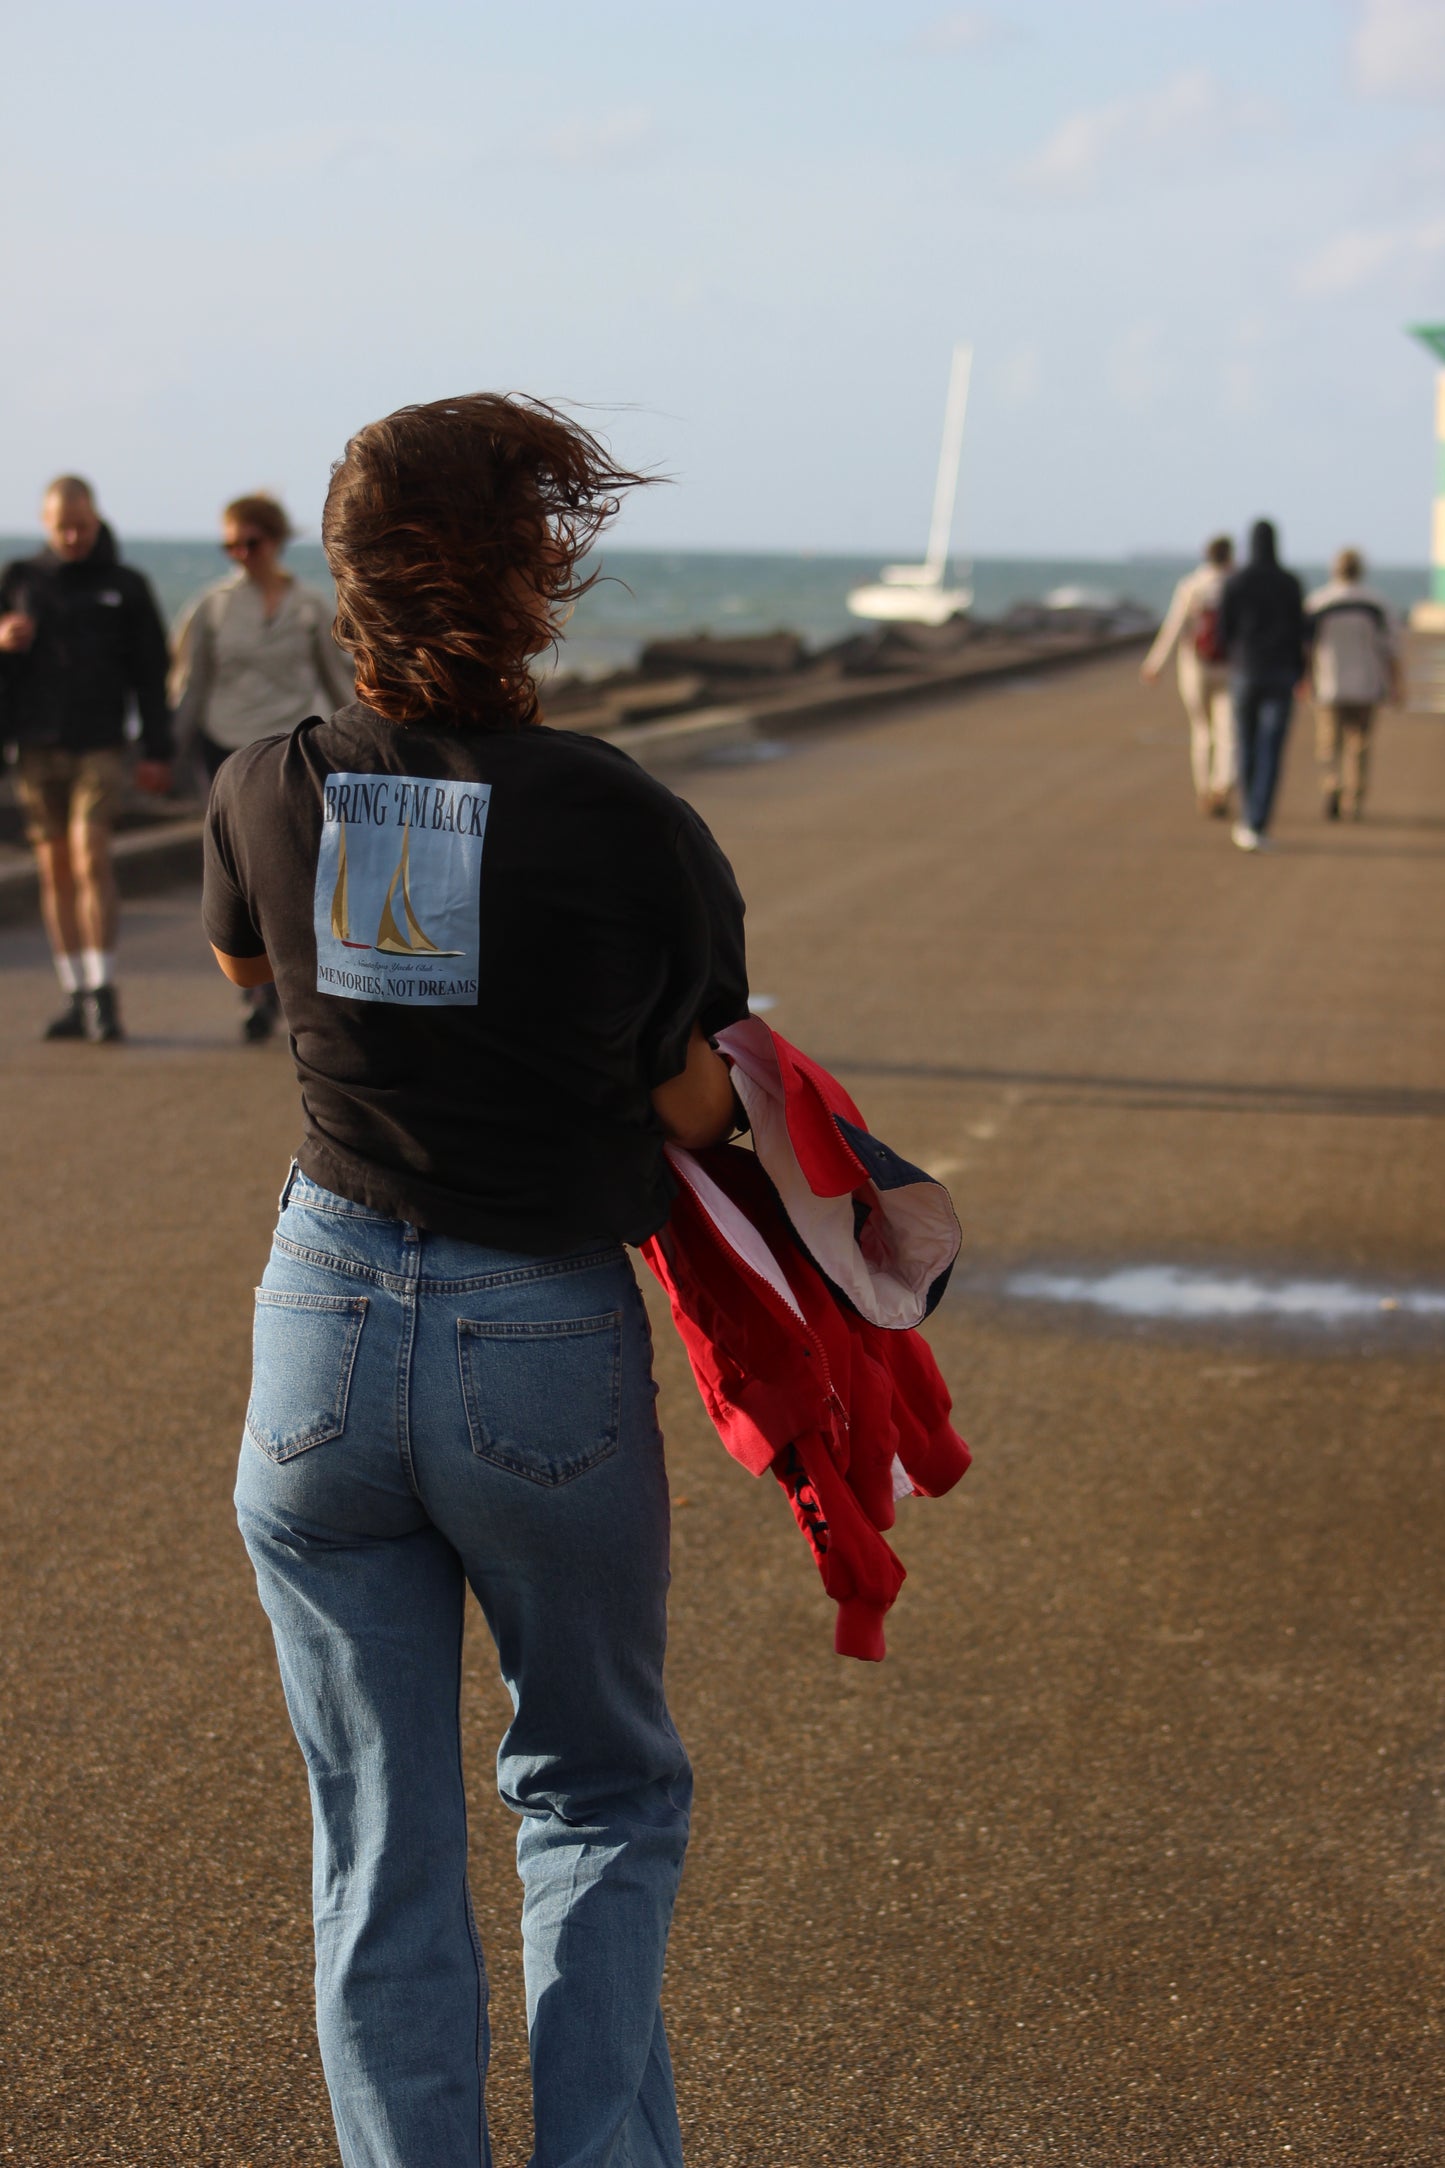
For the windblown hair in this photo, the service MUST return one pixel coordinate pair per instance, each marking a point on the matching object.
(454, 532)
(266, 514)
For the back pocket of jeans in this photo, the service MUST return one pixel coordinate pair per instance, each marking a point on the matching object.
(303, 1351)
(543, 1399)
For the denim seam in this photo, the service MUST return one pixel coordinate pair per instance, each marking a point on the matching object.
(394, 1282)
(399, 1282)
(518, 1275)
(408, 1288)
(537, 1328)
(339, 1208)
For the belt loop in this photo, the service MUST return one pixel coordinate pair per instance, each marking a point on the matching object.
(285, 1197)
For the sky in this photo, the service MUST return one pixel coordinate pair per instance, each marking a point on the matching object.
(1183, 236)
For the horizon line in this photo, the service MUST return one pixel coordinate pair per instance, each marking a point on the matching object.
(797, 553)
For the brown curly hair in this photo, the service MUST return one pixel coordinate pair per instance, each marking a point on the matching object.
(454, 532)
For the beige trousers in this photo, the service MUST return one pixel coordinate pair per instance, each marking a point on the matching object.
(1204, 689)
(1342, 748)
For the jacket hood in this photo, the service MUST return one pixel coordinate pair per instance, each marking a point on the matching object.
(106, 552)
(1262, 550)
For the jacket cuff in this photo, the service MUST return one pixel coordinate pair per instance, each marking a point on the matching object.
(858, 1629)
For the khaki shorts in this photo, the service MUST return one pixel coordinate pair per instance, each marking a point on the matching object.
(59, 791)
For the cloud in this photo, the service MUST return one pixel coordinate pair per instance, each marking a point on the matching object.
(1399, 49)
(966, 30)
(608, 140)
(1362, 253)
(1170, 125)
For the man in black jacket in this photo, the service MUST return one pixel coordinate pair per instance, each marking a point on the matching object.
(80, 638)
(1262, 630)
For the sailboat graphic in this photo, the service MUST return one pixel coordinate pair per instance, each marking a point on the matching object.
(340, 926)
(390, 939)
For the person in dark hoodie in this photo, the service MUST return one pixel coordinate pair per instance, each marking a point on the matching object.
(1262, 631)
(80, 639)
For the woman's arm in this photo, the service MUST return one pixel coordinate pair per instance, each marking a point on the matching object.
(696, 1108)
(192, 674)
(244, 970)
(1169, 631)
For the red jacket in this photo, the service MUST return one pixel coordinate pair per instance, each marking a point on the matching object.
(797, 1324)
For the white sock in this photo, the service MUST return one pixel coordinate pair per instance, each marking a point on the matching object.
(67, 970)
(97, 966)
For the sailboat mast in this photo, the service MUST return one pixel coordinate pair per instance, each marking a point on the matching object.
(946, 487)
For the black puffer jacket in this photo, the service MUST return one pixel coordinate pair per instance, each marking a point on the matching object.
(99, 643)
(1262, 613)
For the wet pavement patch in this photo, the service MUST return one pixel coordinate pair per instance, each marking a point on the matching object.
(1184, 1295)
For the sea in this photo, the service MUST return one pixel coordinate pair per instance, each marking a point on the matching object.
(644, 595)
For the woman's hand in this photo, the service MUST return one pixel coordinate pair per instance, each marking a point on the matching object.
(697, 1108)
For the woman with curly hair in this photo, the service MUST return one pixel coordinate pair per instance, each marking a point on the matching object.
(500, 948)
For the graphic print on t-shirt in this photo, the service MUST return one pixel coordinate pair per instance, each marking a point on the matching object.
(398, 889)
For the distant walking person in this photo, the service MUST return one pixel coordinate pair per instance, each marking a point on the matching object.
(80, 639)
(1192, 624)
(1354, 665)
(1262, 631)
(254, 657)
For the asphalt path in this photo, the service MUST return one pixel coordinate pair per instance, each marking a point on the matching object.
(1132, 1853)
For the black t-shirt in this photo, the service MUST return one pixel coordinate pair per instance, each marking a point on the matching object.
(490, 945)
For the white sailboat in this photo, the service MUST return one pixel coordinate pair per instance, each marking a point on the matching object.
(915, 594)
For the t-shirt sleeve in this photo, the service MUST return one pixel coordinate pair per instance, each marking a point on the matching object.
(706, 976)
(226, 911)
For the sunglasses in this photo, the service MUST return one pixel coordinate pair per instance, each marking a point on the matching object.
(244, 545)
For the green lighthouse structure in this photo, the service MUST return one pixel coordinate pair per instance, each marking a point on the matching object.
(1430, 616)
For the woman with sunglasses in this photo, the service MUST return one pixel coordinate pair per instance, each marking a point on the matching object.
(500, 947)
(253, 656)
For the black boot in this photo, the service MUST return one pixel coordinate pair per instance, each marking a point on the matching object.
(70, 1024)
(102, 1016)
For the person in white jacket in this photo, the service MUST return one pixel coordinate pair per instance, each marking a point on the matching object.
(1191, 624)
(1354, 664)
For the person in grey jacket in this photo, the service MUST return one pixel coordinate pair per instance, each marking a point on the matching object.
(254, 657)
(1354, 661)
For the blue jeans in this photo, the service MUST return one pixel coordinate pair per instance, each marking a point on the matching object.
(1262, 709)
(427, 1414)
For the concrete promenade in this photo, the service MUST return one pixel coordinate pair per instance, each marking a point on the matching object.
(1132, 1854)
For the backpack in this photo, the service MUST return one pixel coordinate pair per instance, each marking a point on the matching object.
(1208, 636)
